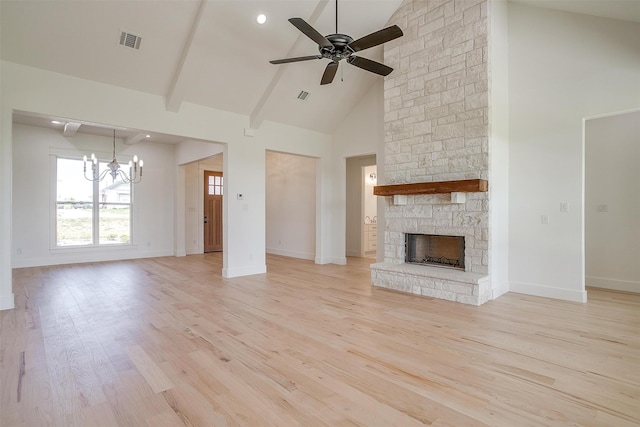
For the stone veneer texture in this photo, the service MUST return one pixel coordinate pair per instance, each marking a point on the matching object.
(436, 123)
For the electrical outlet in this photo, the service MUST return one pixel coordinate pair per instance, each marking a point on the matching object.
(602, 208)
(19, 250)
(564, 207)
(544, 219)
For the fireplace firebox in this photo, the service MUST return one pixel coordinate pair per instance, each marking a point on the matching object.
(435, 250)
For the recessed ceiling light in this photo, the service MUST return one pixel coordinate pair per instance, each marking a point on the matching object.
(261, 19)
(148, 136)
(55, 122)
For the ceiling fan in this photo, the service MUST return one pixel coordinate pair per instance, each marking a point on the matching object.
(337, 47)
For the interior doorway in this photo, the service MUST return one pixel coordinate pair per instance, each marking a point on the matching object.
(213, 192)
(361, 232)
(369, 212)
(612, 201)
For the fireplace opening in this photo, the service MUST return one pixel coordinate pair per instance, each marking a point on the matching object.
(434, 250)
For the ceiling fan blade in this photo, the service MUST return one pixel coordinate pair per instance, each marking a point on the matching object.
(297, 59)
(374, 39)
(329, 73)
(369, 65)
(310, 32)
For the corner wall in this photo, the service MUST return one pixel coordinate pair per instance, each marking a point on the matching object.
(563, 67)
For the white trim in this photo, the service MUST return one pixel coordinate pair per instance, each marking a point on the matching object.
(615, 113)
(292, 254)
(78, 257)
(614, 284)
(243, 271)
(548, 292)
(331, 260)
(497, 290)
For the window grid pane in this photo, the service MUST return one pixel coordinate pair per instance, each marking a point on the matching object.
(74, 205)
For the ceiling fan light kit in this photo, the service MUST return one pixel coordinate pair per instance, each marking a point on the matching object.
(337, 47)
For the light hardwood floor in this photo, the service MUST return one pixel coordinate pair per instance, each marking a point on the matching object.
(168, 342)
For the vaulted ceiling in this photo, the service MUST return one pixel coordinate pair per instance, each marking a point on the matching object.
(213, 52)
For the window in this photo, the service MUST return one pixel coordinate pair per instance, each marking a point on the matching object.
(90, 213)
(215, 185)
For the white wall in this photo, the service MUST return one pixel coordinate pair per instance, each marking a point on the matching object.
(39, 91)
(498, 147)
(33, 238)
(192, 151)
(361, 133)
(563, 67)
(612, 179)
(290, 205)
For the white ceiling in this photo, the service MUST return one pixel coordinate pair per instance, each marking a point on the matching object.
(626, 10)
(213, 53)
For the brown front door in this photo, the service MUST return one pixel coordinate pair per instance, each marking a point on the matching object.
(212, 211)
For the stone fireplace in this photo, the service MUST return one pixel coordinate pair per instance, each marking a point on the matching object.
(436, 140)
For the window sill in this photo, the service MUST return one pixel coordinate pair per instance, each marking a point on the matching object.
(91, 248)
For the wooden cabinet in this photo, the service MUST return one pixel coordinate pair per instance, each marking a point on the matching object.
(370, 238)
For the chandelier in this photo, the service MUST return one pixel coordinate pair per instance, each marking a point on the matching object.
(113, 168)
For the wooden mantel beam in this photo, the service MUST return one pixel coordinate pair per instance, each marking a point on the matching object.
(442, 187)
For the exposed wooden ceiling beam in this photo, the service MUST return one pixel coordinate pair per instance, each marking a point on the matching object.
(187, 65)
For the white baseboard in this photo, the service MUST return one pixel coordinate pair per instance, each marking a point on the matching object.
(291, 254)
(499, 289)
(613, 284)
(243, 271)
(194, 251)
(79, 257)
(331, 260)
(7, 302)
(548, 292)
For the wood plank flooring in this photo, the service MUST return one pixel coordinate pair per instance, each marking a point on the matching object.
(169, 342)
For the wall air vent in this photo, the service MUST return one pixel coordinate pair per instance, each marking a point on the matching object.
(130, 40)
(303, 95)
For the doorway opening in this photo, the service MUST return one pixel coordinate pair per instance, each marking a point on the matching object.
(361, 207)
(612, 201)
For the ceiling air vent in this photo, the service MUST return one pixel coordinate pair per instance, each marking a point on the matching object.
(130, 40)
(303, 95)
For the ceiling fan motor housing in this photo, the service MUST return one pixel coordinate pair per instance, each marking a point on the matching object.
(340, 49)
